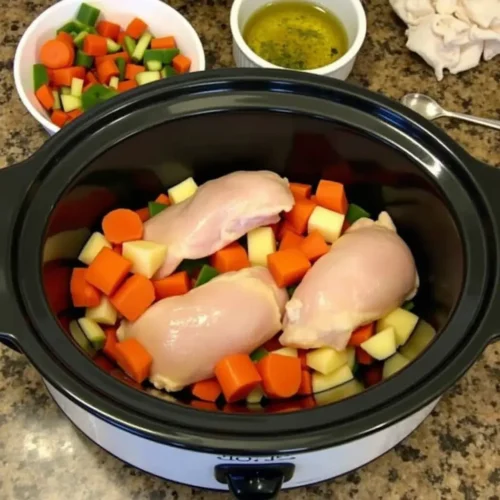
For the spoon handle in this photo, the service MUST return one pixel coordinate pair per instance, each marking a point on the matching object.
(486, 122)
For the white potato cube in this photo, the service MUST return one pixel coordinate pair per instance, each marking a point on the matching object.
(287, 351)
(419, 340)
(256, 395)
(327, 222)
(65, 245)
(94, 333)
(260, 242)
(326, 360)
(402, 321)
(381, 345)
(351, 357)
(340, 392)
(93, 246)
(104, 313)
(393, 364)
(146, 256)
(182, 191)
(321, 382)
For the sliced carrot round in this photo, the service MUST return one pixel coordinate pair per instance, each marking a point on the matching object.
(122, 225)
(281, 375)
(56, 54)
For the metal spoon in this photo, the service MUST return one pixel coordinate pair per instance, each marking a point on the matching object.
(430, 109)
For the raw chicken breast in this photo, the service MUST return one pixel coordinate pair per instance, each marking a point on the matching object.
(368, 272)
(187, 335)
(220, 212)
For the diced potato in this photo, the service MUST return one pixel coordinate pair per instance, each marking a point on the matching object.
(104, 313)
(182, 191)
(287, 351)
(340, 392)
(381, 345)
(419, 340)
(94, 333)
(326, 360)
(327, 222)
(393, 364)
(321, 382)
(402, 321)
(146, 256)
(77, 87)
(65, 245)
(93, 246)
(351, 357)
(120, 333)
(260, 242)
(256, 395)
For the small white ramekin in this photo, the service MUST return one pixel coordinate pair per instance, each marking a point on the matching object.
(349, 12)
(162, 19)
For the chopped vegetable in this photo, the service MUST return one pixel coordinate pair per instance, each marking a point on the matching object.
(305, 388)
(63, 77)
(327, 222)
(70, 102)
(163, 199)
(258, 354)
(66, 38)
(207, 274)
(182, 191)
(331, 195)
(355, 212)
(80, 338)
(143, 213)
(83, 294)
(351, 357)
(288, 267)
(142, 45)
(339, 392)
(94, 333)
(113, 82)
(409, 305)
(362, 357)
(87, 14)
(300, 190)
(314, 246)
(136, 28)
(287, 351)
(134, 360)
(231, 258)
(281, 375)
(56, 54)
(44, 95)
(59, 117)
(84, 60)
(290, 239)
(76, 87)
(108, 29)
(181, 63)
(146, 256)
(237, 376)
(40, 76)
(299, 216)
(422, 336)
(93, 246)
(167, 42)
(381, 345)
(147, 77)
(95, 45)
(394, 364)
(207, 390)
(95, 95)
(402, 321)
(155, 208)
(110, 343)
(134, 297)
(132, 70)
(74, 113)
(112, 46)
(113, 57)
(106, 70)
(104, 313)
(362, 334)
(108, 270)
(128, 85)
(326, 359)
(168, 71)
(321, 382)
(285, 226)
(78, 41)
(129, 44)
(121, 65)
(122, 225)
(260, 243)
(256, 396)
(175, 284)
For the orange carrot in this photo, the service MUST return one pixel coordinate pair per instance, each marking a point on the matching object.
(363, 357)
(305, 383)
(111, 342)
(66, 38)
(300, 213)
(57, 54)
(143, 213)
(95, 45)
(207, 390)
(108, 270)
(106, 70)
(285, 226)
(331, 195)
(237, 376)
(307, 402)
(45, 96)
(131, 70)
(313, 198)
(74, 114)
(90, 78)
(181, 63)
(108, 29)
(361, 334)
(83, 293)
(133, 297)
(63, 77)
(167, 42)
(163, 198)
(121, 38)
(59, 117)
(288, 266)
(103, 363)
(136, 28)
(126, 85)
(175, 284)
(56, 280)
(231, 258)
(373, 375)
(314, 246)
(290, 239)
(281, 375)
(113, 57)
(133, 359)
(122, 225)
(300, 190)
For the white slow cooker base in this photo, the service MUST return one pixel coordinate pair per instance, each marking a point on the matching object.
(197, 469)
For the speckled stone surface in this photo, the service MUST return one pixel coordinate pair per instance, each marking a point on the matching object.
(455, 453)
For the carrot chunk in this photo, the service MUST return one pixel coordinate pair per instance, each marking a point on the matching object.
(83, 294)
(331, 195)
(108, 270)
(134, 297)
(126, 85)
(290, 239)
(131, 70)
(108, 29)
(314, 246)
(175, 284)
(237, 376)
(121, 38)
(283, 227)
(136, 28)
(106, 70)
(45, 96)
(122, 225)
(207, 390)
(361, 334)
(66, 38)
(74, 114)
(113, 57)
(231, 258)
(300, 190)
(288, 266)
(167, 42)
(95, 45)
(90, 77)
(281, 375)
(163, 198)
(59, 117)
(111, 342)
(57, 54)
(305, 383)
(300, 213)
(143, 213)
(134, 360)
(181, 63)
(362, 357)
(62, 77)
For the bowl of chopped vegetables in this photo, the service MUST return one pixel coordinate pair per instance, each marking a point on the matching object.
(76, 55)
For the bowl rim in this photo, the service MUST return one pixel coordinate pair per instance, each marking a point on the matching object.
(323, 70)
(31, 30)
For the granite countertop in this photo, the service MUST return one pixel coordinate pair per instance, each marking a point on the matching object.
(454, 454)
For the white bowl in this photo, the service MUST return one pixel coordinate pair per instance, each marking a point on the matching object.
(349, 12)
(162, 19)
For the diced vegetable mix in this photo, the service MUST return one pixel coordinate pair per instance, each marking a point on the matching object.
(90, 60)
(117, 281)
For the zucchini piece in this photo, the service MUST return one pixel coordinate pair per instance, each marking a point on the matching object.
(167, 72)
(207, 274)
(153, 65)
(94, 333)
(355, 212)
(141, 47)
(121, 63)
(129, 45)
(169, 54)
(85, 27)
(155, 208)
(71, 102)
(83, 59)
(87, 14)
(76, 87)
(95, 95)
(113, 82)
(258, 354)
(147, 77)
(421, 337)
(65, 90)
(112, 46)
(80, 338)
(80, 38)
(40, 76)
(57, 100)
(69, 28)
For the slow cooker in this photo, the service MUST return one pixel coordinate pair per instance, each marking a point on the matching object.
(445, 205)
